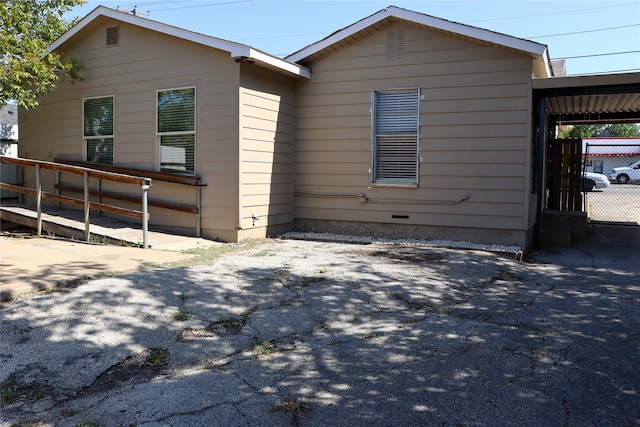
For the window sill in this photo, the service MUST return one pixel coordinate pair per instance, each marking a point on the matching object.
(394, 184)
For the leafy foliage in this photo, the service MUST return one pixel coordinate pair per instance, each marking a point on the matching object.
(28, 28)
(590, 131)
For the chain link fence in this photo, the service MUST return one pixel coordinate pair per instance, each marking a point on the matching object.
(617, 201)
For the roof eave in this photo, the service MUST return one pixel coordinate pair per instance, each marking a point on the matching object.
(235, 49)
(532, 48)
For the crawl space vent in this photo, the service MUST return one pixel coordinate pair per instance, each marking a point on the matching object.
(113, 35)
(395, 44)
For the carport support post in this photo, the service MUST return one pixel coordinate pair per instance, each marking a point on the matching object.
(39, 199)
(145, 215)
(87, 234)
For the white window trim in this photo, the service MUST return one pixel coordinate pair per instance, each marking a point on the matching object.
(85, 138)
(375, 181)
(157, 145)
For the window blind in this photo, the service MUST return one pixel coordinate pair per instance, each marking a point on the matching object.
(396, 133)
(98, 129)
(176, 129)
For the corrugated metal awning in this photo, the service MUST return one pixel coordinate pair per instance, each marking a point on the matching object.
(598, 98)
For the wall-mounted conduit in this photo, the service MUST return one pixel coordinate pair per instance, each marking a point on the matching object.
(364, 199)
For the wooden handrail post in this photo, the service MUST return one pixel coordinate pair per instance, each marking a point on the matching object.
(57, 184)
(198, 217)
(39, 199)
(87, 233)
(145, 216)
(89, 173)
(99, 189)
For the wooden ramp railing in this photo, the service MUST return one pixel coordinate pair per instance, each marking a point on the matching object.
(193, 181)
(39, 165)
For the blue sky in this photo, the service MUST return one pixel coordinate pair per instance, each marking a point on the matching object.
(594, 36)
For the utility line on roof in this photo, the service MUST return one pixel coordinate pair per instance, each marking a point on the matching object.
(556, 13)
(582, 32)
(203, 5)
(599, 54)
(153, 3)
(630, 70)
(175, 2)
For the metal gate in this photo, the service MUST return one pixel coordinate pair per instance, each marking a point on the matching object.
(617, 201)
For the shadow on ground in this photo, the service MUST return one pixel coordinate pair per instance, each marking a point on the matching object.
(314, 334)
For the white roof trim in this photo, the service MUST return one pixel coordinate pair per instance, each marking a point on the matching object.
(427, 20)
(234, 49)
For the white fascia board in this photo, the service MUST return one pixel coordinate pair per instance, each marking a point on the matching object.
(426, 20)
(234, 49)
(282, 64)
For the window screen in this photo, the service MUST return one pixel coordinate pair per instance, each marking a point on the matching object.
(396, 125)
(97, 116)
(176, 129)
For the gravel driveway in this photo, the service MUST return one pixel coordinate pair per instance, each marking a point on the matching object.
(292, 332)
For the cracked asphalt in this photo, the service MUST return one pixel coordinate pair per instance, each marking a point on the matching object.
(292, 332)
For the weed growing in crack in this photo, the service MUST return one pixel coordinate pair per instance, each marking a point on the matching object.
(156, 357)
(308, 281)
(264, 252)
(205, 255)
(297, 408)
(9, 393)
(89, 424)
(282, 276)
(262, 349)
(182, 315)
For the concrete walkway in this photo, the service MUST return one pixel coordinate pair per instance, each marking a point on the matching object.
(32, 264)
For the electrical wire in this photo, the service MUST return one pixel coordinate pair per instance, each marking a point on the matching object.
(583, 32)
(599, 54)
(204, 5)
(208, 4)
(556, 12)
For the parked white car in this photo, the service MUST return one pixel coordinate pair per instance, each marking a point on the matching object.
(626, 174)
(591, 180)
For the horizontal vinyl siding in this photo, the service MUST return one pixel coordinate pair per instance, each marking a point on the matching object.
(142, 63)
(266, 153)
(474, 130)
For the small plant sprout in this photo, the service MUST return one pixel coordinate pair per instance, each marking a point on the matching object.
(9, 393)
(308, 281)
(296, 407)
(156, 357)
(182, 315)
(262, 349)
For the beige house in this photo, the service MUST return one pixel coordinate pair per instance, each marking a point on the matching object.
(156, 97)
(400, 125)
(416, 126)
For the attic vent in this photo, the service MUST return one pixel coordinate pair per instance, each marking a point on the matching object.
(395, 45)
(113, 35)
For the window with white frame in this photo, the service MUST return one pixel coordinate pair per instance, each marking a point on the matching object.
(97, 133)
(396, 125)
(176, 129)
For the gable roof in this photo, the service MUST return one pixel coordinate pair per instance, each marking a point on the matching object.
(236, 50)
(393, 14)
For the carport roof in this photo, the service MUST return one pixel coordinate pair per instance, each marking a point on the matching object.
(598, 98)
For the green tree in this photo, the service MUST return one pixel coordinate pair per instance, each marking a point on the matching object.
(27, 27)
(590, 131)
(624, 129)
